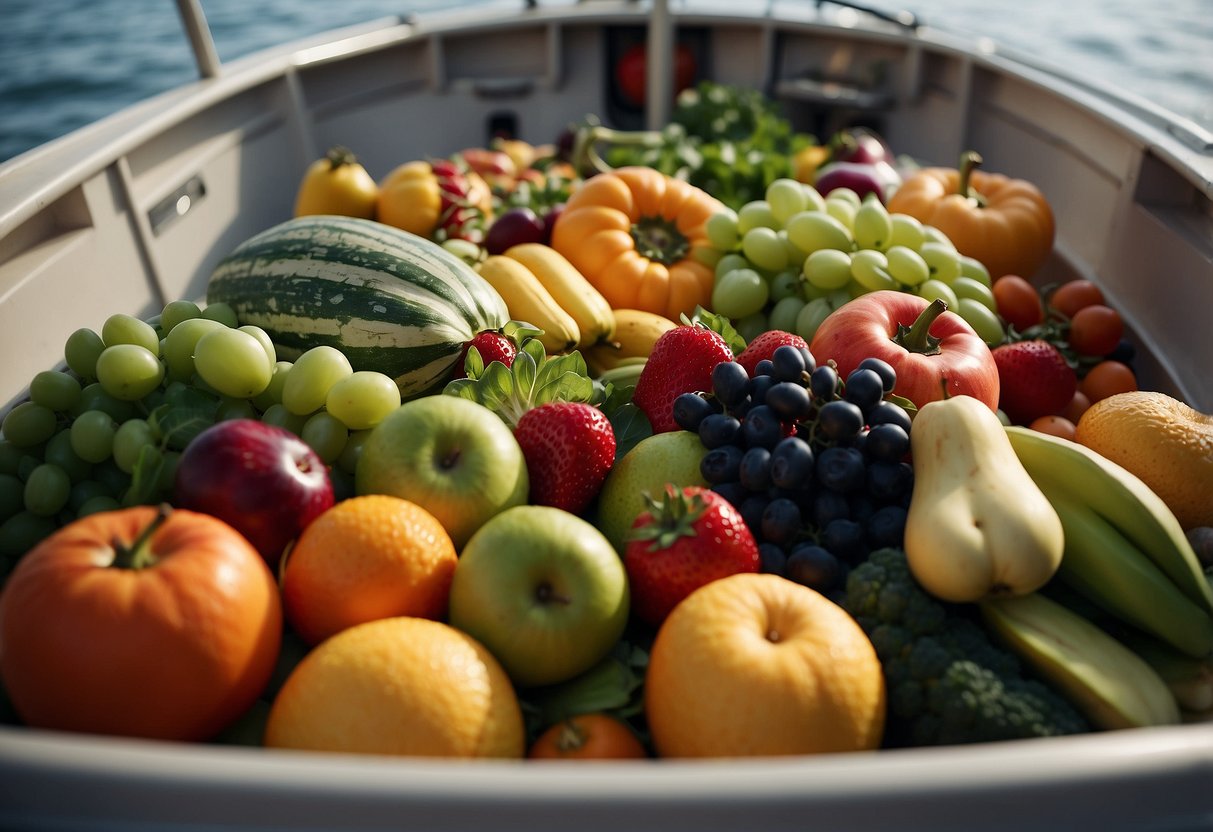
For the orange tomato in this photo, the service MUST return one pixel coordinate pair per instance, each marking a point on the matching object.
(1055, 425)
(1096, 329)
(1077, 406)
(1107, 378)
(337, 184)
(409, 198)
(164, 624)
(1018, 301)
(594, 736)
(1074, 295)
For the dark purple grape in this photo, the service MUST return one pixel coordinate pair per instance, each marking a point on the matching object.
(828, 506)
(729, 382)
(882, 368)
(790, 401)
(721, 464)
(864, 389)
(514, 227)
(840, 469)
(763, 367)
(812, 566)
(734, 492)
(751, 510)
(690, 409)
(772, 558)
(886, 527)
(839, 420)
(889, 481)
(889, 413)
(761, 428)
(823, 383)
(787, 363)
(549, 221)
(862, 507)
(781, 521)
(718, 429)
(758, 387)
(886, 443)
(755, 470)
(792, 463)
(810, 363)
(845, 538)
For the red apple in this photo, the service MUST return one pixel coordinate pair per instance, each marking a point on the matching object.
(261, 479)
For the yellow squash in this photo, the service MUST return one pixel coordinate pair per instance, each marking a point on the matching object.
(528, 300)
(570, 289)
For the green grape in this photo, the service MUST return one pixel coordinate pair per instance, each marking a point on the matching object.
(721, 229)
(907, 266)
(121, 328)
(176, 311)
(816, 202)
(984, 322)
(98, 504)
(937, 289)
(812, 292)
(129, 372)
(93, 436)
(179, 346)
(81, 350)
(786, 197)
(264, 339)
(751, 326)
(794, 254)
(233, 362)
(348, 461)
(22, 532)
(763, 247)
(843, 211)
(974, 268)
(59, 452)
(465, 250)
(871, 226)
(934, 235)
(845, 195)
(870, 269)
(786, 284)
(132, 437)
(277, 414)
(784, 313)
(706, 255)
(942, 260)
(84, 491)
(309, 381)
(29, 462)
(840, 297)
(115, 480)
(855, 289)
(326, 434)
(811, 231)
(755, 214)
(272, 394)
(810, 318)
(363, 399)
(739, 293)
(967, 287)
(730, 261)
(47, 490)
(95, 397)
(55, 390)
(232, 408)
(223, 313)
(906, 231)
(29, 424)
(10, 456)
(12, 496)
(828, 269)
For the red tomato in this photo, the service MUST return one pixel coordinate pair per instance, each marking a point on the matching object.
(593, 736)
(937, 349)
(1096, 330)
(1018, 302)
(1069, 297)
(632, 76)
(133, 623)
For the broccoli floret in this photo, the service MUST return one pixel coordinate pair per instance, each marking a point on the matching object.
(948, 682)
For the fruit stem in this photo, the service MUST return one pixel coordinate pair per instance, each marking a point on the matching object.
(585, 154)
(917, 337)
(546, 594)
(138, 555)
(659, 240)
(338, 156)
(970, 160)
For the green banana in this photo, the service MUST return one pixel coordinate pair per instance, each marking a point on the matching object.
(1190, 679)
(626, 374)
(1119, 497)
(1108, 682)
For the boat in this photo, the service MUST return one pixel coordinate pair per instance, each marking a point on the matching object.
(137, 210)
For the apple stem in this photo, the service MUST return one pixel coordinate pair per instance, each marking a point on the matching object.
(136, 555)
(545, 594)
(917, 337)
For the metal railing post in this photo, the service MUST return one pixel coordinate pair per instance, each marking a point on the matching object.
(199, 34)
(659, 59)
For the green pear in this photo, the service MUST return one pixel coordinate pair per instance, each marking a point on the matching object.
(670, 457)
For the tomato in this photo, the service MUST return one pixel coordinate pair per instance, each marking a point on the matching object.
(1096, 330)
(594, 736)
(1069, 297)
(1055, 426)
(1018, 302)
(930, 349)
(1107, 378)
(631, 73)
(1077, 406)
(337, 184)
(162, 624)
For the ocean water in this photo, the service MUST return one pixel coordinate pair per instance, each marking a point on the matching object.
(66, 63)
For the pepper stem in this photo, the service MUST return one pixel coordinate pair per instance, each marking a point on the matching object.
(970, 160)
(137, 554)
(917, 337)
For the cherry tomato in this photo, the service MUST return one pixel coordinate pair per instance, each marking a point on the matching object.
(1107, 378)
(632, 76)
(1018, 301)
(1069, 297)
(1077, 406)
(594, 736)
(1096, 330)
(1055, 426)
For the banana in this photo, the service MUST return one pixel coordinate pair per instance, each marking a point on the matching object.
(569, 287)
(1106, 567)
(626, 374)
(527, 300)
(1108, 682)
(636, 331)
(1190, 679)
(1119, 497)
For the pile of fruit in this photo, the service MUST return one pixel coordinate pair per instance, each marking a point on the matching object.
(501, 456)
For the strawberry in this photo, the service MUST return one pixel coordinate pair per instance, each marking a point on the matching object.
(1034, 380)
(681, 362)
(681, 542)
(764, 346)
(569, 449)
(492, 346)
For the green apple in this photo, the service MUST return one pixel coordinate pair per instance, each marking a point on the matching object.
(670, 457)
(451, 456)
(543, 590)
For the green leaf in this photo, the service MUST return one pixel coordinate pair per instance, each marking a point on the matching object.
(631, 426)
(145, 478)
(719, 324)
(185, 413)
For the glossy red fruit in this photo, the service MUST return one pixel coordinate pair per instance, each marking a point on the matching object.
(764, 346)
(569, 449)
(515, 227)
(492, 346)
(1034, 380)
(681, 362)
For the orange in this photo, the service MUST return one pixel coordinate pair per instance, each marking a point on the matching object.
(756, 665)
(368, 557)
(402, 686)
(592, 736)
(1164, 442)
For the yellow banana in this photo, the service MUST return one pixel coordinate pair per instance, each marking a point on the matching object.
(527, 300)
(636, 331)
(1108, 682)
(1120, 498)
(576, 295)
